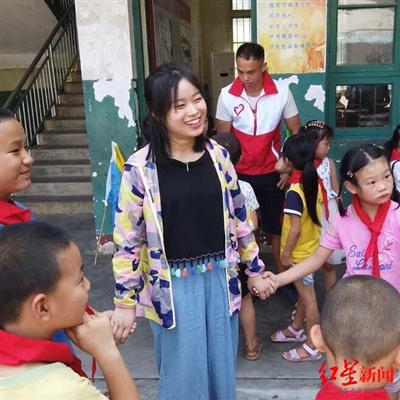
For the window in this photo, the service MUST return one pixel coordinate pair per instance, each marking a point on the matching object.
(363, 73)
(241, 22)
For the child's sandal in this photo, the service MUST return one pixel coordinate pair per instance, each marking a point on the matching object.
(293, 355)
(299, 336)
(254, 353)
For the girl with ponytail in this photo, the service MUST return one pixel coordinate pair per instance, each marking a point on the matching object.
(368, 230)
(301, 230)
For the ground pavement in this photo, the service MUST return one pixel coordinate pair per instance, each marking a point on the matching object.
(270, 377)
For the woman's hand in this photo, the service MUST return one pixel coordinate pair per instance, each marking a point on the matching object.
(123, 323)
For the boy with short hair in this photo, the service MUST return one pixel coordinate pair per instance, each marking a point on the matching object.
(44, 290)
(360, 334)
(15, 166)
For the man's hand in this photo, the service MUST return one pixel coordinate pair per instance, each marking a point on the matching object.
(282, 182)
(123, 322)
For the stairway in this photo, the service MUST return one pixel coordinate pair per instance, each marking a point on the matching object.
(60, 174)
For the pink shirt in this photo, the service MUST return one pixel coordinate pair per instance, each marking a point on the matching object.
(351, 235)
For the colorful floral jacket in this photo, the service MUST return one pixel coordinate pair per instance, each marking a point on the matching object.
(140, 266)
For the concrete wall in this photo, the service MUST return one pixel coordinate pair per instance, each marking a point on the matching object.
(216, 32)
(108, 73)
(24, 27)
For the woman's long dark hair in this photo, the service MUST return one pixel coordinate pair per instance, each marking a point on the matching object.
(161, 88)
(393, 142)
(353, 161)
(300, 151)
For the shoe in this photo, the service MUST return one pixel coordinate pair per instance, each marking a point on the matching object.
(255, 351)
(280, 337)
(293, 355)
(290, 293)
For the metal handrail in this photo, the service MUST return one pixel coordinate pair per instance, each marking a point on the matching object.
(37, 93)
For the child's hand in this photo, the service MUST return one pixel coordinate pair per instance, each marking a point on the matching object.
(270, 282)
(123, 323)
(262, 288)
(286, 261)
(94, 335)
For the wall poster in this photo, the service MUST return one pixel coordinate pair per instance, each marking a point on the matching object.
(293, 34)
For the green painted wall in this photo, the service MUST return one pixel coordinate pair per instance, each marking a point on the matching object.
(103, 126)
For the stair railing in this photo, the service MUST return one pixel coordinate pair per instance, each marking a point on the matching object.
(35, 97)
(58, 7)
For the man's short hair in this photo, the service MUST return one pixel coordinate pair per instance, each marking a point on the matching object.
(231, 143)
(360, 319)
(28, 264)
(248, 51)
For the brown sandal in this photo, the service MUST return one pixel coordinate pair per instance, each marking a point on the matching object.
(255, 350)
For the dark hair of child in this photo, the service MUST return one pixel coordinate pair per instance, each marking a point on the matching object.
(161, 90)
(393, 142)
(360, 327)
(231, 143)
(300, 151)
(6, 114)
(316, 130)
(353, 161)
(24, 268)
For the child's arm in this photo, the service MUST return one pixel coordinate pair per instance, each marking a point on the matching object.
(293, 237)
(94, 336)
(303, 268)
(254, 219)
(334, 176)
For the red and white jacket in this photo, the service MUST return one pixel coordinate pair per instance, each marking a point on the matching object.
(258, 131)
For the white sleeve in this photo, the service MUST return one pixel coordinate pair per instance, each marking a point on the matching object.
(222, 112)
(395, 167)
(290, 109)
(250, 198)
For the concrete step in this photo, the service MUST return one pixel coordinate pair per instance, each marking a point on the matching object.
(62, 124)
(76, 111)
(69, 152)
(76, 99)
(58, 204)
(58, 188)
(73, 87)
(59, 170)
(63, 138)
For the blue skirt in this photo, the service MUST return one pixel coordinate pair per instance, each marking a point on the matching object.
(196, 360)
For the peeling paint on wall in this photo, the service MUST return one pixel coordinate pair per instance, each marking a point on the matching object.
(291, 79)
(317, 93)
(119, 90)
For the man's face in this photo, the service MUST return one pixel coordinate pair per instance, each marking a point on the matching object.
(250, 72)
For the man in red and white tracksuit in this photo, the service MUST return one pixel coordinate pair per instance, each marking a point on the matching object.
(252, 108)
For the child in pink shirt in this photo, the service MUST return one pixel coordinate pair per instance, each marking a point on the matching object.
(368, 231)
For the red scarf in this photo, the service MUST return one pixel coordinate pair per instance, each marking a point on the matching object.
(17, 350)
(395, 155)
(296, 178)
(10, 213)
(330, 391)
(375, 228)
